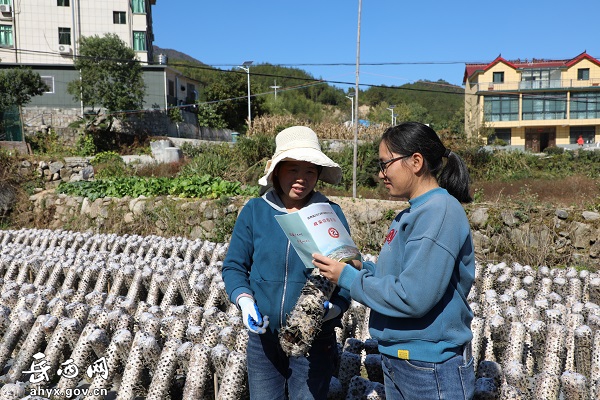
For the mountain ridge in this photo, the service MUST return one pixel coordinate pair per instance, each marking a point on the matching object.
(175, 54)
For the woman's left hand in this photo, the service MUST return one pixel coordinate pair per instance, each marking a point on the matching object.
(330, 268)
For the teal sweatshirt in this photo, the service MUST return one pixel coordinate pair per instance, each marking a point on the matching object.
(261, 262)
(418, 289)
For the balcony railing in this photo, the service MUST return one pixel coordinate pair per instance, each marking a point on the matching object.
(536, 85)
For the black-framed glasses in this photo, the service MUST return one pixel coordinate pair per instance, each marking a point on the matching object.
(383, 165)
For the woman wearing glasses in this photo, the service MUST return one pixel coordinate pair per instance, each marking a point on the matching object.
(417, 291)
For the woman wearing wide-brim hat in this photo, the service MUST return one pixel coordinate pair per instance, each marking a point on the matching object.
(264, 276)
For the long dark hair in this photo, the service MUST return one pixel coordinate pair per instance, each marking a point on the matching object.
(413, 137)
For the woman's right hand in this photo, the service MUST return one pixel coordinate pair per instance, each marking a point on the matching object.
(330, 268)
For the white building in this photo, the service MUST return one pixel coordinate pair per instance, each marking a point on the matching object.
(48, 31)
(44, 35)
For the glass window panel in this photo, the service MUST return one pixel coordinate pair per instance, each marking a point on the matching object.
(62, 3)
(583, 74)
(585, 105)
(139, 41)
(6, 35)
(138, 6)
(49, 81)
(119, 17)
(7, 2)
(503, 108)
(586, 132)
(64, 36)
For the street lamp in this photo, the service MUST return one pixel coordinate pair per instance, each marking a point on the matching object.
(391, 108)
(352, 100)
(246, 67)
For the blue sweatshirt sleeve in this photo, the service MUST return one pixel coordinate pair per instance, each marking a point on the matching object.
(411, 294)
(410, 280)
(237, 263)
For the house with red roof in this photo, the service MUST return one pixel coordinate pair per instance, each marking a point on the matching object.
(534, 104)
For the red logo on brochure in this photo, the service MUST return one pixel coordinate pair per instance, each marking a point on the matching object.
(333, 233)
(390, 236)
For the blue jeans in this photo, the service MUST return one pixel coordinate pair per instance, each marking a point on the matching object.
(418, 380)
(273, 375)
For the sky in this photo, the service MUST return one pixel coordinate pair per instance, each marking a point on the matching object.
(400, 41)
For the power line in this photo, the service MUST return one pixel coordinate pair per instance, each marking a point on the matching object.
(311, 81)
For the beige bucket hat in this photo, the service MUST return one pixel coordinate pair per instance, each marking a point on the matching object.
(300, 143)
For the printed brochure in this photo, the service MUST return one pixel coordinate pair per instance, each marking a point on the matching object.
(318, 229)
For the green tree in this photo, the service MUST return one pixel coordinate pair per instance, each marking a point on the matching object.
(208, 116)
(111, 76)
(228, 101)
(17, 87)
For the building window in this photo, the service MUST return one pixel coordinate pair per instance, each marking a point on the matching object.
(586, 132)
(6, 2)
(62, 3)
(501, 108)
(583, 74)
(585, 105)
(6, 35)
(49, 81)
(540, 79)
(171, 88)
(139, 41)
(498, 77)
(119, 17)
(138, 6)
(546, 106)
(500, 137)
(64, 36)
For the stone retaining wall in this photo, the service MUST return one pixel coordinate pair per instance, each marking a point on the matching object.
(536, 236)
(527, 233)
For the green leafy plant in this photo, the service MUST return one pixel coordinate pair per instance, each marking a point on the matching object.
(190, 187)
(85, 144)
(109, 164)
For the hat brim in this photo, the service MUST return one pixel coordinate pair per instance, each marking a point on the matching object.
(331, 173)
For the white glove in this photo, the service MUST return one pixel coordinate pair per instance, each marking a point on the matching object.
(251, 317)
(331, 311)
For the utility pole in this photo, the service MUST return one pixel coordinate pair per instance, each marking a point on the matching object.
(275, 87)
(355, 158)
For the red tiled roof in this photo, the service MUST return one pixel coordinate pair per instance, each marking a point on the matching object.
(472, 69)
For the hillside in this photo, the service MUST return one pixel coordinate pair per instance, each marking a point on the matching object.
(174, 54)
(438, 103)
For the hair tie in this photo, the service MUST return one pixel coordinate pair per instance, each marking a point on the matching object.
(447, 153)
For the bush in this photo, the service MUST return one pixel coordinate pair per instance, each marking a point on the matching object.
(366, 165)
(85, 145)
(554, 150)
(48, 144)
(109, 164)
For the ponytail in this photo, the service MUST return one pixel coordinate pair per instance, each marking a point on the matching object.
(454, 177)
